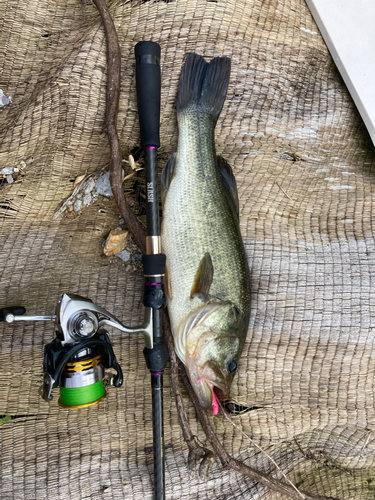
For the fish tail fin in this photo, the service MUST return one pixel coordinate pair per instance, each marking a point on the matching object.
(203, 86)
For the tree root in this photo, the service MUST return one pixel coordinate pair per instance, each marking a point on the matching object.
(197, 452)
(110, 127)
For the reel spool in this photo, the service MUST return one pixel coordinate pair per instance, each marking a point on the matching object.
(82, 380)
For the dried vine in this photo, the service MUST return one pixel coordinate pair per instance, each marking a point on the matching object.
(196, 450)
(223, 455)
(110, 126)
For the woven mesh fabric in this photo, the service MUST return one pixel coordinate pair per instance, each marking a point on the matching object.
(304, 166)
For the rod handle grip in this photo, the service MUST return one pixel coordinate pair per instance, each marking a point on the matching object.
(148, 80)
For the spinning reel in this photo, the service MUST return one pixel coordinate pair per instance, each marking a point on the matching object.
(76, 359)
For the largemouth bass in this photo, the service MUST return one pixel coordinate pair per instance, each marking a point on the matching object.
(207, 271)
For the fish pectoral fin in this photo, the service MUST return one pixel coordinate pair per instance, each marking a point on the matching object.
(168, 174)
(168, 283)
(229, 182)
(203, 278)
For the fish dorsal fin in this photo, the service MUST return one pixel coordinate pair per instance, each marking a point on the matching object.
(203, 278)
(167, 175)
(229, 183)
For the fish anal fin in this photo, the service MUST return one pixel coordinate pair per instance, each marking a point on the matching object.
(203, 278)
(168, 174)
(229, 182)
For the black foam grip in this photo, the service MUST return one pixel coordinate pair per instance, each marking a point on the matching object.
(153, 264)
(148, 79)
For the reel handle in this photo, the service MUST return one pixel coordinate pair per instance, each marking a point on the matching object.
(148, 80)
(11, 312)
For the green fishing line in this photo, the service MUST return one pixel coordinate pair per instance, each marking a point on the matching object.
(78, 396)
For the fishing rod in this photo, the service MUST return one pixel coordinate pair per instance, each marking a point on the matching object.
(148, 81)
(76, 360)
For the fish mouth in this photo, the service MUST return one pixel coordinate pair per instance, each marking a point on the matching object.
(220, 394)
(209, 383)
(210, 394)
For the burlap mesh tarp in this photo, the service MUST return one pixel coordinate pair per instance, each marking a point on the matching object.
(305, 168)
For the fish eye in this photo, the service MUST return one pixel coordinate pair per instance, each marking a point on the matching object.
(231, 366)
